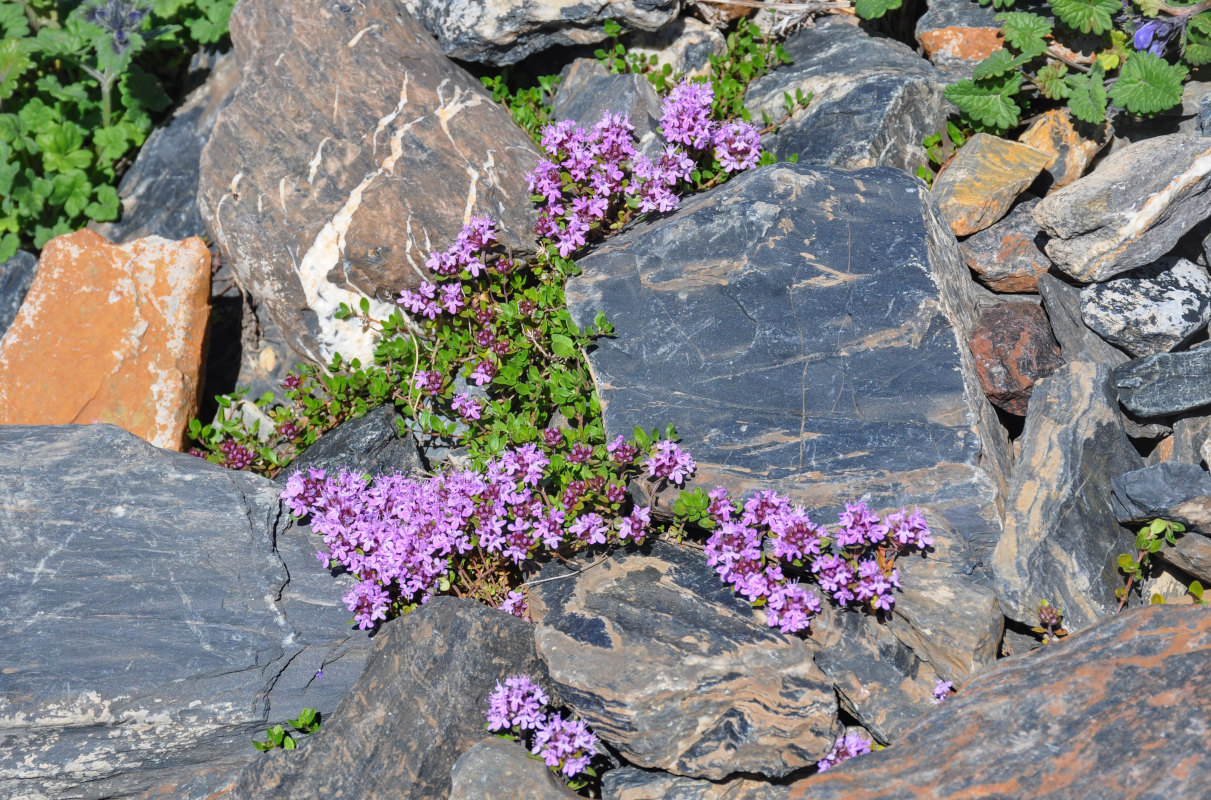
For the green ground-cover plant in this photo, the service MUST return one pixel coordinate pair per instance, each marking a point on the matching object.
(81, 85)
(1150, 540)
(940, 147)
(307, 723)
(1138, 57)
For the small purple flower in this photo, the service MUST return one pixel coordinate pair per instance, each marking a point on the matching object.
(466, 407)
(516, 705)
(580, 453)
(942, 691)
(565, 743)
(590, 528)
(483, 372)
(1154, 36)
(853, 743)
(737, 146)
(515, 604)
(685, 115)
(621, 451)
(670, 461)
(635, 526)
(791, 608)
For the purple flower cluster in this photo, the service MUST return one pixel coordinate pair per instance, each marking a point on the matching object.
(518, 707)
(685, 118)
(853, 743)
(515, 604)
(942, 691)
(669, 460)
(235, 455)
(751, 549)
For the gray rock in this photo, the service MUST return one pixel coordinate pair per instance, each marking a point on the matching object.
(588, 90)
(418, 707)
(1150, 310)
(496, 769)
(1061, 536)
(804, 329)
(16, 276)
(685, 44)
(1062, 302)
(955, 35)
(874, 99)
(1190, 436)
(629, 783)
(1170, 490)
(500, 32)
(159, 613)
(677, 673)
(1131, 209)
(1008, 256)
(1165, 383)
(376, 160)
(370, 444)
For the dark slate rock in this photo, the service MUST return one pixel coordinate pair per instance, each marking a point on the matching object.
(160, 190)
(375, 160)
(1009, 257)
(369, 444)
(16, 276)
(496, 769)
(1061, 537)
(1062, 302)
(1191, 554)
(802, 329)
(1115, 711)
(500, 32)
(1170, 490)
(874, 99)
(676, 672)
(1014, 349)
(1131, 210)
(1150, 310)
(1165, 383)
(686, 44)
(418, 707)
(158, 614)
(1191, 436)
(587, 91)
(630, 783)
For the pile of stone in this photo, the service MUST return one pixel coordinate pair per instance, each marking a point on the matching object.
(1017, 351)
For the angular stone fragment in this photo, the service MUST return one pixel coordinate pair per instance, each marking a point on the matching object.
(496, 769)
(873, 100)
(587, 91)
(1008, 256)
(1072, 144)
(677, 673)
(1065, 722)
(801, 328)
(1171, 490)
(982, 182)
(685, 44)
(110, 333)
(380, 149)
(1150, 310)
(1061, 536)
(16, 276)
(1165, 383)
(956, 35)
(1191, 435)
(419, 706)
(501, 32)
(158, 613)
(369, 444)
(629, 783)
(1062, 302)
(1013, 349)
(1131, 209)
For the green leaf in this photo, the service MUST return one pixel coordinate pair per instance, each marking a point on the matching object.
(140, 90)
(13, 22)
(998, 4)
(999, 63)
(1051, 83)
(72, 190)
(111, 142)
(106, 205)
(1086, 16)
(1126, 563)
(873, 9)
(1148, 85)
(14, 62)
(562, 346)
(989, 104)
(1025, 31)
(1087, 96)
(1197, 49)
(62, 148)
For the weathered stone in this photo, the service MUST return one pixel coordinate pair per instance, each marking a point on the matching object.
(685, 44)
(501, 32)
(801, 328)
(1013, 349)
(1182, 118)
(1174, 491)
(588, 90)
(1062, 302)
(873, 100)
(160, 190)
(419, 705)
(1008, 256)
(496, 769)
(1071, 145)
(1150, 310)
(629, 783)
(1131, 209)
(1165, 383)
(381, 149)
(1191, 554)
(158, 614)
(1068, 721)
(983, 180)
(956, 35)
(16, 276)
(677, 673)
(1190, 437)
(110, 333)
(369, 444)
(1061, 536)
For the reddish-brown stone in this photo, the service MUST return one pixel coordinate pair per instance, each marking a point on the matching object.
(1013, 348)
(110, 333)
(967, 44)
(1115, 711)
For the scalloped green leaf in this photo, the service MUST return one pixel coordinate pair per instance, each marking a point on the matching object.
(998, 4)
(988, 104)
(1086, 16)
(1148, 84)
(14, 62)
(1050, 80)
(1087, 96)
(1002, 62)
(1024, 31)
(1196, 48)
(873, 9)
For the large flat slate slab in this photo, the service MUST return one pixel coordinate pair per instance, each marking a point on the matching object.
(804, 329)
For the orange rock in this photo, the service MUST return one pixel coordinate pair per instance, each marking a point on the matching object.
(1071, 144)
(110, 333)
(983, 180)
(968, 44)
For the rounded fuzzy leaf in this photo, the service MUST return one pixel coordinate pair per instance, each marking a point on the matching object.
(1148, 85)
(873, 9)
(1087, 96)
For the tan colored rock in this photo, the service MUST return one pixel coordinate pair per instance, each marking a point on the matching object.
(110, 333)
(983, 180)
(1071, 145)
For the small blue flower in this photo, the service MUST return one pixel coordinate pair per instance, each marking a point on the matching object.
(1154, 36)
(117, 18)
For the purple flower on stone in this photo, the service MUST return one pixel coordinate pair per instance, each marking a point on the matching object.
(853, 743)
(590, 528)
(790, 607)
(516, 705)
(795, 536)
(737, 146)
(565, 743)
(685, 115)
(942, 691)
(621, 451)
(670, 461)
(515, 604)
(466, 407)
(635, 526)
